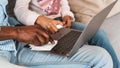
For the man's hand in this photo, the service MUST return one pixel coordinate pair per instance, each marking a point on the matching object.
(48, 24)
(67, 21)
(28, 34)
(33, 35)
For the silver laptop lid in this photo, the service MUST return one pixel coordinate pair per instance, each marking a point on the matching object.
(92, 27)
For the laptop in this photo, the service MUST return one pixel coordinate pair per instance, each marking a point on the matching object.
(70, 40)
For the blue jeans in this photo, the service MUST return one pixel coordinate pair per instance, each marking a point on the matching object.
(86, 57)
(100, 39)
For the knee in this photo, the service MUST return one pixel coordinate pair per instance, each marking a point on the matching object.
(101, 34)
(103, 57)
(97, 56)
(94, 52)
(101, 52)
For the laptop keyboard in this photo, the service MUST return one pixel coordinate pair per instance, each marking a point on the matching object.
(66, 43)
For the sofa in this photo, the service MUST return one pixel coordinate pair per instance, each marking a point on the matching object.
(112, 29)
(110, 25)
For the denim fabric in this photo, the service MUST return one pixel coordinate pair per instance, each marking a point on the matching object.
(100, 39)
(86, 57)
(2, 15)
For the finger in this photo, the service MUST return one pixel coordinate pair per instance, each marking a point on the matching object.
(68, 23)
(42, 36)
(35, 42)
(41, 39)
(51, 40)
(49, 28)
(53, 26)
(47, 37)
(43, 33)
(63, 23)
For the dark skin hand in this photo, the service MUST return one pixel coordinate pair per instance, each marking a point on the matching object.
(28, 34)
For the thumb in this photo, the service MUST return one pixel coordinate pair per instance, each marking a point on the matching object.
(63, 23)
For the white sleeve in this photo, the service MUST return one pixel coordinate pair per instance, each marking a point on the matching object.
(23, 14)
(65, 8)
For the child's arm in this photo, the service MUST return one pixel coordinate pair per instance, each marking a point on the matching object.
(23, 14)
(66, 9)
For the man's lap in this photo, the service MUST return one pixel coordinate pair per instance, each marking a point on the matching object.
(82, 58)
(30, 59)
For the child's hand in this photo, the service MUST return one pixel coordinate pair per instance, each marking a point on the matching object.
(48, 24)
(67, 21)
